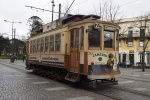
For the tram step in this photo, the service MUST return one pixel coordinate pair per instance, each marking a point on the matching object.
(73, 77)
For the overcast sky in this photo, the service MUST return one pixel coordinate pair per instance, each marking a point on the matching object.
(15, 10)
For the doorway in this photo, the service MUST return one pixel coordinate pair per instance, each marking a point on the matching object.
(74, 51)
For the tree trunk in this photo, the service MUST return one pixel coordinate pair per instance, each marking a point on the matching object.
(143, 61)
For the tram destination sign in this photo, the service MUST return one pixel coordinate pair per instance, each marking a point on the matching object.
(109, 28)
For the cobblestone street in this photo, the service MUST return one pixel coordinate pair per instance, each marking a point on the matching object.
(16, 83)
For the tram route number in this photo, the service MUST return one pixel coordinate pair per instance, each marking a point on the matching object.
(96, 26)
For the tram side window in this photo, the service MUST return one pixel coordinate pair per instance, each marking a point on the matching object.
(31, 47)
(34, 46)
(94, 37)
(57, 42)
(42, 44)
(52, 43)
(72, 38)
(38, 45)
(46, 43)
(108, 39)
(82, 36)
(77, 38)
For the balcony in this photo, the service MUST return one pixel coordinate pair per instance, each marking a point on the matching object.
(135, 35)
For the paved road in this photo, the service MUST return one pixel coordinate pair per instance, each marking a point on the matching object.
(16, 83)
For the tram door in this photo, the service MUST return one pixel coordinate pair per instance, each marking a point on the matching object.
(74, 51)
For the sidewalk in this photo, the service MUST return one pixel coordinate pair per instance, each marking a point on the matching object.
(17, 63)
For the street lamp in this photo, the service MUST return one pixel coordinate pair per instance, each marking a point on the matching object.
(12, 22)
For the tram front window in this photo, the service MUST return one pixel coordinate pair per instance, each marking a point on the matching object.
(94, 37)
(108, 39)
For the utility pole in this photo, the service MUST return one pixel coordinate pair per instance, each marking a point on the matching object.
(52, 9)
(15, 53)
(12, 52)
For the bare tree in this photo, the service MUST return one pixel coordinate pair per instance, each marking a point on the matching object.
(108, 11)
(143, 24)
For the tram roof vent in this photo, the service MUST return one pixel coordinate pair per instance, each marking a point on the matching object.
(91, 16)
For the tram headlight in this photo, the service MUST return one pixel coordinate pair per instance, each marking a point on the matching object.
(92, 63)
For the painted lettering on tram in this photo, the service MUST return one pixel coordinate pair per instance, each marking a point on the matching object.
(50, 58)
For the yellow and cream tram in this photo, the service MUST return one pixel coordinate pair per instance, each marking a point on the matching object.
(75, 48)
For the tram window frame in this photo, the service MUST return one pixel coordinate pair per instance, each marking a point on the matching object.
(113, 43)
(100, 38)
(51, 49)
(46, 44)
(57, 42)
(38, 44)
(82, 37)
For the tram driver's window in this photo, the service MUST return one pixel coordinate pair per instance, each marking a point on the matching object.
(94, 37)
(108, 39)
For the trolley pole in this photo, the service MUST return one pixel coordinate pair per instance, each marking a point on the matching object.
(52, 9)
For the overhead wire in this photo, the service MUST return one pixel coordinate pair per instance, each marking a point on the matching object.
(129, 3)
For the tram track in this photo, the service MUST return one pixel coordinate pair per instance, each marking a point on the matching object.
(136, 79)
(132, 91)
(111, 91)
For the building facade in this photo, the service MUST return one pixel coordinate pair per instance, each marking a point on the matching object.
(134, 36)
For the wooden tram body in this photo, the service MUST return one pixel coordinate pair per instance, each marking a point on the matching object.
(76, 48)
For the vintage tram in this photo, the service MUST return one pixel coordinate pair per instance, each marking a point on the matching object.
(75, 48)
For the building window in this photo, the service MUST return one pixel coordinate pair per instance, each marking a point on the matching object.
(142, 32)
(46, 43)
(52, 43)
(57, 42)
(130, 43)
(141, 43)
(130, 33)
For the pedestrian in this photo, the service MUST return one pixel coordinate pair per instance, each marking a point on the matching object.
(23, 58)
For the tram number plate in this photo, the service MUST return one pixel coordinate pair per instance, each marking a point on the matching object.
(96, 26)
